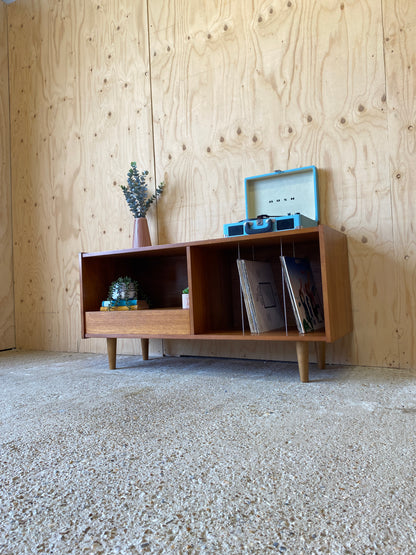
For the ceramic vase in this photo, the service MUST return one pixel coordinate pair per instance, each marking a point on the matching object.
(141, 235)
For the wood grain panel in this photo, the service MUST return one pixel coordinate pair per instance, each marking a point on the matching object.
(245, 88)
(400, 55)
(7, 329)
(173, 321)
(80, 114)
(335, 284)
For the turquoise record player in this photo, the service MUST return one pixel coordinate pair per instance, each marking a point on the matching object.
(279, 201)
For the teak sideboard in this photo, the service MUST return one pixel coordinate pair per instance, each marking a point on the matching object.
(216, 308)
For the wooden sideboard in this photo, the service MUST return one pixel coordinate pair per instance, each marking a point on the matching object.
(216, 310)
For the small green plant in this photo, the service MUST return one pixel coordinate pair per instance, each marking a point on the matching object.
(125, 289)
(185, 291)
(136, 191)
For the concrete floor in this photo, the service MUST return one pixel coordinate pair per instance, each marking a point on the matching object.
(194, 455)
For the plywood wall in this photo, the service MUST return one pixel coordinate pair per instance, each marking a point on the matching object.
(80, 114)
(400, 59)
(7, 338)
(242, 88)
(208, 96)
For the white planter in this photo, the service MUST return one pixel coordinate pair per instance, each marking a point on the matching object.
(185, 300)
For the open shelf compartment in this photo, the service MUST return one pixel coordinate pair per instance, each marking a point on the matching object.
(218, 304)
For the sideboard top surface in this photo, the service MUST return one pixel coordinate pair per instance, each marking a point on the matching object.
(306, 234)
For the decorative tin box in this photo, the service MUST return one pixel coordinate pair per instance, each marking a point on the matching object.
(279, 201)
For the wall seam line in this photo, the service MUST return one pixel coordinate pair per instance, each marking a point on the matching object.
(152, 128)
(10, 177)
(151, 111)
(389, 166)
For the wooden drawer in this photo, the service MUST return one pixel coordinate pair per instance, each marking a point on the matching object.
(145, 323)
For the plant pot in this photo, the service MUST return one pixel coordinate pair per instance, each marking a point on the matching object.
(124, 292)
(185, 300)
(141, 235)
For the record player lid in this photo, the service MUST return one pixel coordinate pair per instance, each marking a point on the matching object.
(282, 193)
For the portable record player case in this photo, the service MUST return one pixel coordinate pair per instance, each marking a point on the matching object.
(279, 201)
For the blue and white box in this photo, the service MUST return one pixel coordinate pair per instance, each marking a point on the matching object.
(279, 201)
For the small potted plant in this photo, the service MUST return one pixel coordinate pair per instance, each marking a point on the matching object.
(125, 292)
(139, 201)
(185, 297)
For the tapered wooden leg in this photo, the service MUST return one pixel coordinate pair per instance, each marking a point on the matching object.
(302, 352)
(320, 354)
(145, 348)
(111, 351)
